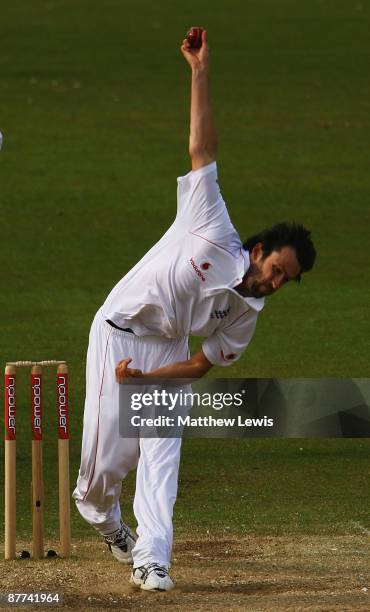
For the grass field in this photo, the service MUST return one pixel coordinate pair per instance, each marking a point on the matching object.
(94, 105)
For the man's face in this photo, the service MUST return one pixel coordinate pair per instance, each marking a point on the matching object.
(267, 274)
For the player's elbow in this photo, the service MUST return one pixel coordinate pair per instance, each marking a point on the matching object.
(200, 364)
(201, 157)
(204, 150)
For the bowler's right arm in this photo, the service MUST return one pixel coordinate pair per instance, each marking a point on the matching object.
(203, 140)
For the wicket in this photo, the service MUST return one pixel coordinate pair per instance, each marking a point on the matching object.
(37, 467)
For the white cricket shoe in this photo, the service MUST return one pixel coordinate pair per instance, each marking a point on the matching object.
(120, 543)
(152, 577)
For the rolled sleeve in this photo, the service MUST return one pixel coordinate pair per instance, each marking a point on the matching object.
(225, 346)
(199, 200)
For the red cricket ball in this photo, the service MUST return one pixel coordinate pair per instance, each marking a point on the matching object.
(194, 37)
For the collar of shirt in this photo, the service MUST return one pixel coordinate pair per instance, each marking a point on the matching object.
(255, 303)
(235, 275)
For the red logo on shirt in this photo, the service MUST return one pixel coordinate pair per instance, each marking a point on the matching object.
(205, 265)
(197, 269)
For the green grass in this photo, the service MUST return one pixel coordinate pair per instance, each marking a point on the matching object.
(273, 487)
(94, 110)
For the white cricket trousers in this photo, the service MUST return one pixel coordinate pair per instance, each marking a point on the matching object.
(106, 458)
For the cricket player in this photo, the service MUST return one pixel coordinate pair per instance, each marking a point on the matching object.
(197, 280)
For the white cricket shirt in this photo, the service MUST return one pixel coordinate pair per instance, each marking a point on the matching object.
(184, 285)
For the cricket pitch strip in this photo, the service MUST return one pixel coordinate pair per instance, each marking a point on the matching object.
(250, 573)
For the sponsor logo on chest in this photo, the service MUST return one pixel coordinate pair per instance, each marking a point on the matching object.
(197, 270)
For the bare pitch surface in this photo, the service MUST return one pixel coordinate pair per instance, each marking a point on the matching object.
(254, 573)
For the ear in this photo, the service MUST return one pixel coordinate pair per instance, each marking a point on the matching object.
(257, 252)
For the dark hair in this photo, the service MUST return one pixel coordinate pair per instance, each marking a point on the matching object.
(286, 234)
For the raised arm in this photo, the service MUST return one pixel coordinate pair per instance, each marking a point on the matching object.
(203, 138)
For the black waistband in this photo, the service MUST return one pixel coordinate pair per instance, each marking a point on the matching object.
(126, 329)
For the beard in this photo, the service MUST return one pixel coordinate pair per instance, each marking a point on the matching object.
(253, 285)
(259, 290)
